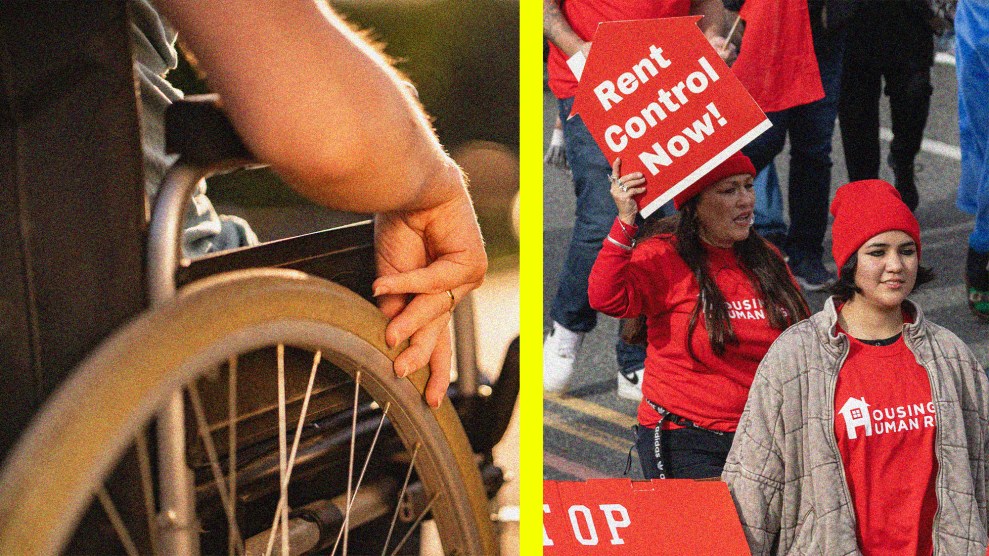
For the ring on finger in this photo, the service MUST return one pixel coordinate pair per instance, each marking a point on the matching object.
(623, 187)
(453, 300)
(614, 180)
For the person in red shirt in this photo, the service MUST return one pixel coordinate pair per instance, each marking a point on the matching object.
(570, 26)
(867, 427)
(715, 296)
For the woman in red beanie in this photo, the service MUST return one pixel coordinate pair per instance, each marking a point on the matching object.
(867, 426)
(715, 296)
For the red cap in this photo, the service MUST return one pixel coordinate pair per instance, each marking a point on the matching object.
(735, 164)
(865, 209)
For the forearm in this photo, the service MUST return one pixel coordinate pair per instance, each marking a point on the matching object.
(558, 31)
(318, 103)
(609, 287)
(713, 24)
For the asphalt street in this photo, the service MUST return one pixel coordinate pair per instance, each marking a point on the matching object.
(588, 431)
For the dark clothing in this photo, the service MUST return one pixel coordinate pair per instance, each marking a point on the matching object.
(889, 42)
(687, 453)
(810, 127)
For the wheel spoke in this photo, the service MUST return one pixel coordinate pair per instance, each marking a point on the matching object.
(232, 452)
(118, 524)
(214, 461)
(295, 448)
(360, 479)
(282, 448)
(416, 523)
(401, 494)
(147, 487)
(350, 465)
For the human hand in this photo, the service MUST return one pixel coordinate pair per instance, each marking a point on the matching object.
(421, 255)
(623, 190)
(556, 155)
(726, 50)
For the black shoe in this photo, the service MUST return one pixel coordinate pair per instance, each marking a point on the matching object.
(905, 183)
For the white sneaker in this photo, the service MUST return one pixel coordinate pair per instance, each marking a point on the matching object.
(630, 385)
(559, 355)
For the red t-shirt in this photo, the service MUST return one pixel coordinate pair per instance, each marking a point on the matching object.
(584, 16)
(777, 63)
(653, 280)
(885, 427)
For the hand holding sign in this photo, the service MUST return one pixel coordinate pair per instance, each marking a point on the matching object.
(656, 93)
(623, 189)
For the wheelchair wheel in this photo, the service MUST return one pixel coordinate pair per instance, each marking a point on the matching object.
(62, 462)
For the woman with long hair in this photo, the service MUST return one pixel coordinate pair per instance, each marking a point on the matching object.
(715, 296)
(867, 426)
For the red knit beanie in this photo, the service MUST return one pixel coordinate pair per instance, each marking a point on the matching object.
(735, 164)
(865, 209)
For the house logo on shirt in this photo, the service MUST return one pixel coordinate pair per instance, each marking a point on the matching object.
(857, 415)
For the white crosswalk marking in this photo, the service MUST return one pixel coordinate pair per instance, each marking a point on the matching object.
(931, 146)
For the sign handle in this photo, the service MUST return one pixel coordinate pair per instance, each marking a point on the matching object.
(733, 27)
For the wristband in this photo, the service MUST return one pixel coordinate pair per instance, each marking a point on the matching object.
(629, 236)
(619, 244)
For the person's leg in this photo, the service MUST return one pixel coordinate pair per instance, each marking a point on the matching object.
(769, 206)
(972, 58)
(631, 366)
(571, 312)
(811, 128)
(762, 150)
(908, 85)
(594, 215)
(858, 106)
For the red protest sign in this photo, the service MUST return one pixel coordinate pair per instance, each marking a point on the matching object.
(655, 93)
(617, 516)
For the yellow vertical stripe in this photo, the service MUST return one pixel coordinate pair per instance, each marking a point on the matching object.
(530, 154)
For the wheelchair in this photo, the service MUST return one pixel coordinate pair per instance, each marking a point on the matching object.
(253, 409)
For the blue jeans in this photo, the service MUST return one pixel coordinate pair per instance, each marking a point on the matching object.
(971, 28)
(769, 203)
(596, 213)
(810, 127)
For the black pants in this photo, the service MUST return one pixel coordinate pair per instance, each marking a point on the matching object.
(891, 42)
(687, 453)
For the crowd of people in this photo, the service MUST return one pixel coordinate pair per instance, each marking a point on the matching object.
(863, 427)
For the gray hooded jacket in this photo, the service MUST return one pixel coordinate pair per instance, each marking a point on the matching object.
(784, 470)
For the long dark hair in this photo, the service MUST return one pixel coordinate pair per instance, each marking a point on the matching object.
(765, 268)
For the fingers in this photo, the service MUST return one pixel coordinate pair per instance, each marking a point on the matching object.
(422, 344)
(439, 370)
(391, 305)
(616, 169)
(422, 310)
(439, 276)
(429, 345)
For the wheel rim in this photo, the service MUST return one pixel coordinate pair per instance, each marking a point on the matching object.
(278, 304)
